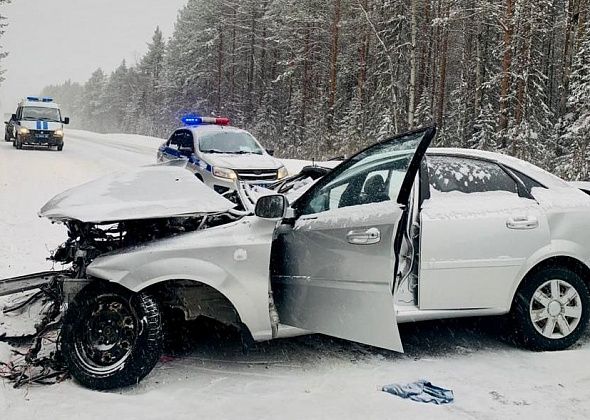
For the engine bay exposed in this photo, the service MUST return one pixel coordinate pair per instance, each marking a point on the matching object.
(86, 241)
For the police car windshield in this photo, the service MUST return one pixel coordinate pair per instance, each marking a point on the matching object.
(229, 142)
(41, 113)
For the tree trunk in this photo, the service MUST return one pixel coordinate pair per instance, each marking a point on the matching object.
(412, 92)
(567, 55)
(335, 30)
(426, 49)
(219, 68)
(363, 51)
(233, 58)
(305, 78)
(442, 87)
(251, 59)
(508, 28)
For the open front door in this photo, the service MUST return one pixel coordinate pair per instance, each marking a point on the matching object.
(333, 270)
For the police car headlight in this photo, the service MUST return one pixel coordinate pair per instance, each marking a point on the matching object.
(58, 133)
(23, 130)
(225, 173)
(282, 173)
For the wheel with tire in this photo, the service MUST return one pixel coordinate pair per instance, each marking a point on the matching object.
(19, 143)
(7, 136)
(111, 337)
(551, 309)
(60, 147)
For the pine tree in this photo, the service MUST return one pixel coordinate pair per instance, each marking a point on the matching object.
(577, 121)
(93, 107)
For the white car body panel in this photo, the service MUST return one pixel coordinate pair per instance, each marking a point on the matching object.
(469, 257)
(233, 259)
(321, 285)
(147, 192)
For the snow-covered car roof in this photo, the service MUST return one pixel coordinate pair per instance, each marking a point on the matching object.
(582, 185)
(213, 128)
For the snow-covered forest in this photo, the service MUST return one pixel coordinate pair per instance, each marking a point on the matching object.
(318, 78)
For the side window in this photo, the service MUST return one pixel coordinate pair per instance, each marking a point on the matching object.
(372, 185)
(374, 175)
(466, 175)
(172, 141)
(182, 140)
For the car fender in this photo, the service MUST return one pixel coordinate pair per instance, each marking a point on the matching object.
(233, 259)
(556, 248)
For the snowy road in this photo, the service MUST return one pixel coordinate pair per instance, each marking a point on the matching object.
(309, 377)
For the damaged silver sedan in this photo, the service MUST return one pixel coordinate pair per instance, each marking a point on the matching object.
(394, 234)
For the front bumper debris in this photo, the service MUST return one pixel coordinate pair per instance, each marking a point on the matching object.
(39, 362)
(31, 281)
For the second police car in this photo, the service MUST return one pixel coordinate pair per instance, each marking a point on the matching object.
(37, 122)
(221, 155)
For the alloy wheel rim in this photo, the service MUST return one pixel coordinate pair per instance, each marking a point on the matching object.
(555, 309)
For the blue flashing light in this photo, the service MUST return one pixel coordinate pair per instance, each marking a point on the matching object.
(47, 99)
(33, 98)
(191, 119)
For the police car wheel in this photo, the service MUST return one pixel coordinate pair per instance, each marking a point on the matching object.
(19, 144)
(60, 147)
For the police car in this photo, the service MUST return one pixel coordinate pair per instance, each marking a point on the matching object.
(221, 155)
(37, 122)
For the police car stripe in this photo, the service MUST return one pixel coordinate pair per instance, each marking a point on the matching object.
(45, 125)
(38, 125)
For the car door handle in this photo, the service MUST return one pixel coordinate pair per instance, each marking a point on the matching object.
(522, 222)
(364, 237)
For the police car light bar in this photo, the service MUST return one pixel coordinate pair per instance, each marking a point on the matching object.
(196, 120)
(37, 99)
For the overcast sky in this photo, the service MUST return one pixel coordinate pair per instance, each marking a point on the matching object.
(50, 41)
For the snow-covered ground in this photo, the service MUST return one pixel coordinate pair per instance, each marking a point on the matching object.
(307, 377)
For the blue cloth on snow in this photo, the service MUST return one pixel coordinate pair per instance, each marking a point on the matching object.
(421, 391)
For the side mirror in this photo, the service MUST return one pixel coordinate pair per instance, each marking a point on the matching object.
(271, 206)
(66, 120)
(13, 117)
(270, 151)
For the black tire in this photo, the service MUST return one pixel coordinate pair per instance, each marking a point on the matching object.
(7, 137)
(527, 333)
(131, 321)
(19, 144)
(60, 147)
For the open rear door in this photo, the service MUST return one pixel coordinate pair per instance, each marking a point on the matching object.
(333, 269)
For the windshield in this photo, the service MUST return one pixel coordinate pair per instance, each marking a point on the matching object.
(41, 113)
(229, 142)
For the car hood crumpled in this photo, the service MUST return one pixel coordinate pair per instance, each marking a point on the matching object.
(245, 161)
(148, 192)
